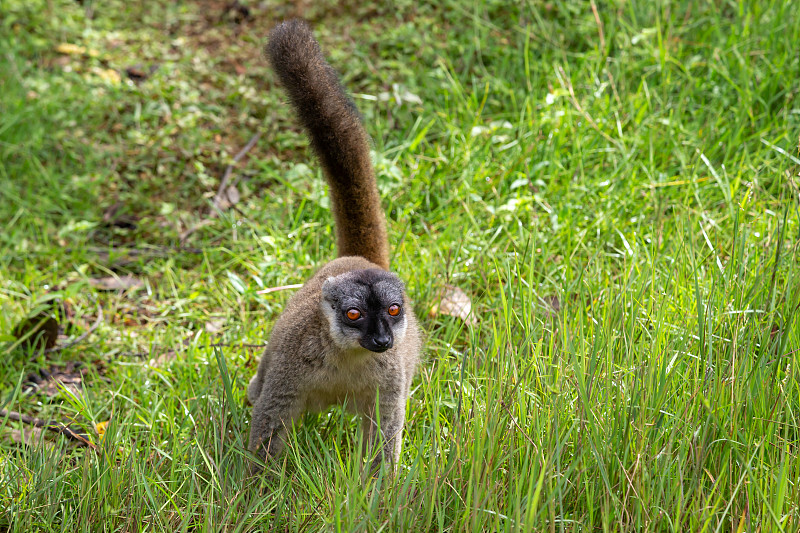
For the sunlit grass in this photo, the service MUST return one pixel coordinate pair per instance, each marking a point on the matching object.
(614, 185)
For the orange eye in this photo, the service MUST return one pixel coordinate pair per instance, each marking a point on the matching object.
(394, 310)
(353, 314)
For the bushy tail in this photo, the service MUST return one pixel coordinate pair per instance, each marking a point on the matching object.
(337, 136)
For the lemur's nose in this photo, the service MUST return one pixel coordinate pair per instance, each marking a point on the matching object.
(384, 342)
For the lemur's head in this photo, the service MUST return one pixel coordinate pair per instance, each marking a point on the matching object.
(365, 308)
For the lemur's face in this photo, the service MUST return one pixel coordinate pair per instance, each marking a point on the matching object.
(365, 308)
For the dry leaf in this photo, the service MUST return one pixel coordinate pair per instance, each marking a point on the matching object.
(454, 302)
(551, 305)
(100, 428)
(30, 436)
(138, 73)
(229, 197)
(53, 380)
(108, 75)
(162, 359)
(74, 49)
(70, 49)
(233, 194)
(114, 283)
(214, 326)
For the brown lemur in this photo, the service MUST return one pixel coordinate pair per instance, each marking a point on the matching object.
(349, 334)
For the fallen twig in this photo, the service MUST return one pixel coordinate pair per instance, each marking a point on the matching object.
(57, 427)
(236, 345)
(223, 185)
(222, 192)
(139, 250)
(279, 288)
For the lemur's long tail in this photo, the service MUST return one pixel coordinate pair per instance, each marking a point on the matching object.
(337, 136)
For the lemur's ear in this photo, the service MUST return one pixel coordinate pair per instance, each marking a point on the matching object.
(328, 287)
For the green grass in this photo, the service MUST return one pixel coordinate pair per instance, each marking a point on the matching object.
(635, 169)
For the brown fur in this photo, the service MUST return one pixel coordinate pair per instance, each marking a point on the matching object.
(338, 138)
(302, 369)
(315, 357)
